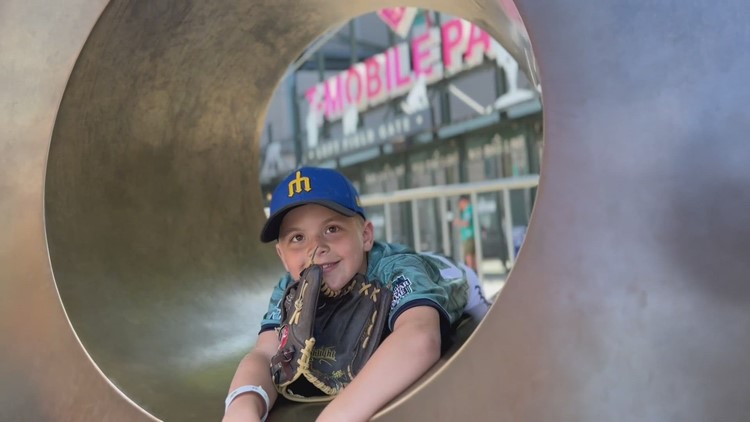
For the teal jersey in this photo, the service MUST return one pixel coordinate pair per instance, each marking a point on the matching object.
(467, 215)
(415, 279)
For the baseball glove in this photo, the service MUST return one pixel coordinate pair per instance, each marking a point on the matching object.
(327, 337)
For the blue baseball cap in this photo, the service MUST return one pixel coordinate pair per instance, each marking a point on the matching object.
(310, 185)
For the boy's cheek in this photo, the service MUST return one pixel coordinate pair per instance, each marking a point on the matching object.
(290, 261)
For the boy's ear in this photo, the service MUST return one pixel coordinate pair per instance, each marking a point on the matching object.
(368, 235)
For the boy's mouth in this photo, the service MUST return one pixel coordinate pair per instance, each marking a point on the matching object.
(328, 267)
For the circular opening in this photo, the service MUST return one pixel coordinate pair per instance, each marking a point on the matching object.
(425, 107)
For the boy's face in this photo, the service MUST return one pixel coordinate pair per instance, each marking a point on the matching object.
(341, 243)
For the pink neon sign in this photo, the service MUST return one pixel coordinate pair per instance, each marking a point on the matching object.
(392, 73)
(398, 18)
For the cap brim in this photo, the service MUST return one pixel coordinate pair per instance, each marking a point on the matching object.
(270, 231)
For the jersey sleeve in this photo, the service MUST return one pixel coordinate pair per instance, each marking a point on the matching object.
(416, 281)
(272, 317)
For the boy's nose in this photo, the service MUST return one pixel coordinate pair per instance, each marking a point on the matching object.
(318, 249)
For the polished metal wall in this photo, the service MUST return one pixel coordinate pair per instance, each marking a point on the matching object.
(131, 278)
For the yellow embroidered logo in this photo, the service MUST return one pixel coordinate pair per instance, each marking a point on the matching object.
(299, 184)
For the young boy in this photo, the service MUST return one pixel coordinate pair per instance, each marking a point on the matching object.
(316, 211)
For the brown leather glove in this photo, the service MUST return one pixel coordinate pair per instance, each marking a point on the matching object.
(327, 337)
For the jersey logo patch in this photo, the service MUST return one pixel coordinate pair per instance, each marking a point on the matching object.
(275, 314)
(401, 287)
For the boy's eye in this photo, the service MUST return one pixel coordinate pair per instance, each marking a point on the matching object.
(296, 238)
(333, 229)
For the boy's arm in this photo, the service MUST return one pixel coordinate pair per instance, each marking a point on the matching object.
(405, 355)
(254, 369)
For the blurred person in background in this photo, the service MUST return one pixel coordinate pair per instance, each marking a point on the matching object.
(465, 221)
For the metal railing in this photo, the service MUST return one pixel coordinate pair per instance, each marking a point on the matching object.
(442, 193)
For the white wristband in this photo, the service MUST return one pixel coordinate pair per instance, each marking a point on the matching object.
(249, 389)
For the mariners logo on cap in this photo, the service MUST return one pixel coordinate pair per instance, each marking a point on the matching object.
(298, 184)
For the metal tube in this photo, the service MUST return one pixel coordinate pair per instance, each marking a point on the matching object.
(450, 190)
(415, 225)
(477, 235)
(444, 226)
(388, 222)
(508, 222)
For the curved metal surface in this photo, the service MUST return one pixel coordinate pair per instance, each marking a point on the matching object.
(629, 300)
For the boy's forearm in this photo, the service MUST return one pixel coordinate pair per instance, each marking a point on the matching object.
(253, 370)
(402, 359)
